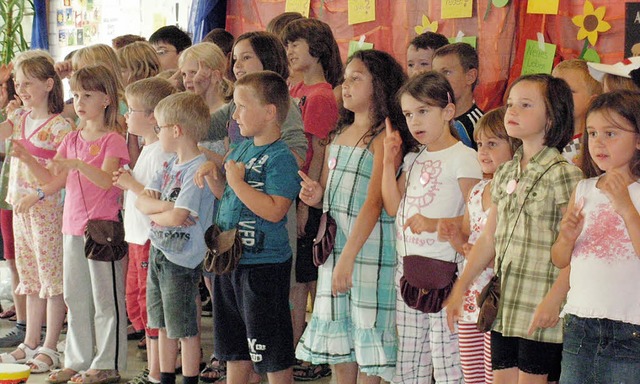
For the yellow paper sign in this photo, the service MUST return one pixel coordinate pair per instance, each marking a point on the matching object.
(355, 46)
(537, 60)
(361, 11)
(456, 9)
(549, 7)
(301, 6)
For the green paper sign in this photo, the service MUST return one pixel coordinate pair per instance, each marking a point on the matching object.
(355, 46)
(591, 55)
(500, 3)
(471, 40)
(536, 60)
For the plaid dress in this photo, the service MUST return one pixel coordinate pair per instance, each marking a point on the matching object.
(357, 326)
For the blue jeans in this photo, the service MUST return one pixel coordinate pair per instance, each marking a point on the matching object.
(600, 351)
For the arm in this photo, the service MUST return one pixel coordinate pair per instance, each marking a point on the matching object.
(28, 201)
(5, 129)
(315, 171)
(174, 217)
(101, 177)
(615, 186)
(392, 189)
(132, 145)
(124, 180)
(548, 311)
(570, 228)
(149, 204)
(39, 171)
(210, 173)
(311, 191)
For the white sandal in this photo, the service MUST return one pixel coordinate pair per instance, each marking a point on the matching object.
(39, 366)
(28, 355)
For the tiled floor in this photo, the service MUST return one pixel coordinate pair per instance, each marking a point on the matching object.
(134, 364)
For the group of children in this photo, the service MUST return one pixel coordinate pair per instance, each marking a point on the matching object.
(390, 159)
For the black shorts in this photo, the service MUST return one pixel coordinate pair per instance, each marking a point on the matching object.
(534, 357)
(306, 271)
(252, 317)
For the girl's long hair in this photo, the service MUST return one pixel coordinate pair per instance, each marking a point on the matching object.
(39, 67)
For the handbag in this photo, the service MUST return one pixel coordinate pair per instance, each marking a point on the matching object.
(325, 238)
(224, 249)
(104, 240)
(427, 282)
(489, 299)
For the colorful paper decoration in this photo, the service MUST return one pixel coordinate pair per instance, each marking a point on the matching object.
(591, 22)
(471, 40)
(301, 6)
(456, 9)
(500, 3)
(361, 11)
(549, 7)
(355, 46)
(427, 26)
(591, 55)
(537, 60)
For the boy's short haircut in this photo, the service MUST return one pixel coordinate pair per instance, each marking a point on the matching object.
(270, 88)
(124, 40)
(429, 40)
(593, 86)
(149, 92)
(467, 55)
(173, 35)
(222, 38)
(187, 110)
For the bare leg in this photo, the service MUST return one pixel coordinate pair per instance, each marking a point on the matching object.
(35, 315)
(19, 301)
(505, 376)
(190, 356)
(346, 373)
(281, 377)
(153, 358)
(238, 372)
(168, 350)
(55, 314)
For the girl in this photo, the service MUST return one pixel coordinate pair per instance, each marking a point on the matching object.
(353, 322)
(37, 129)
(431, 187)
(529, 195)
(494, 148)
(137, 61)
(600, 238)
(94, 290)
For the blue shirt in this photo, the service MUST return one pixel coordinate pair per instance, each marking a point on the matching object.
(271, 169)
(182, 245)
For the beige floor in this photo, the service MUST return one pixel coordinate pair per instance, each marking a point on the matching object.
(134, 364)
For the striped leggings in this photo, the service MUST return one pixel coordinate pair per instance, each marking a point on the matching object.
(475, 354)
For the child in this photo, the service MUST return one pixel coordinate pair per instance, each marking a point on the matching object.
(96, 348)
(251, 304)
(618, 75)
(584, 88)
(169, 42)
(353, 321)
(143, 96)
(420, 52)
(277, 26)
(599, 238)
(138, 61)
(37, 131)
(313, 52)
(180, 213)
(529, 195)
(122, 41)
(222, 38)
(431, 188)
(458, 62)
(494, 148)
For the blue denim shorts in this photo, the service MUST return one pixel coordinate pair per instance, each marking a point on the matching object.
(600, 351)
(171, 296)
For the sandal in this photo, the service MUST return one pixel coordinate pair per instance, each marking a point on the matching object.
(8, 313)
(309, 372)
(215, 371)
(28, 354)
(100, 376)
(61, 376)
(39, 366)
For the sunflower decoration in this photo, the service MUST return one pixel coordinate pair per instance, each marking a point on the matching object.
(427, 26)
(591, 22)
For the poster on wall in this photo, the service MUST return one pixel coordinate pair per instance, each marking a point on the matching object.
(632, 30)
(77, 23)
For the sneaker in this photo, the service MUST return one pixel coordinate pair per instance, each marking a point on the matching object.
(142, 378)
(13, 338)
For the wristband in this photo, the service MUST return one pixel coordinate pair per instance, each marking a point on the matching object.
(40, 193)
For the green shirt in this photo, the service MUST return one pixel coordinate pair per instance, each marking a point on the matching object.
(525, 268)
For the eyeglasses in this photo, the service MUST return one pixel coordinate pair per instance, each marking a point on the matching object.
(162, 52)
(130, 111)
(158, 128)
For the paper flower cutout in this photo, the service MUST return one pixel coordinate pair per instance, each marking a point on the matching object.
(426, 26)
(591, 22)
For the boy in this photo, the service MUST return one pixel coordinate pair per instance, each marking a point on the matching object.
(420, 52)
(180, 213)
(584, 88)
(142, 96)
(169, 42)
(458, 62)
(251, 304)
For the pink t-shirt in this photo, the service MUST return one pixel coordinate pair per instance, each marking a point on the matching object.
(319, 112)
(85, 200)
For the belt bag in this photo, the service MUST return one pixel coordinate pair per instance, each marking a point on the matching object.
(426, 282)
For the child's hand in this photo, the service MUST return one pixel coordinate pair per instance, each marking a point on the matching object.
(392, 143)
(25, 203)
(13, 105)
(466, 248)
(448, 230)
(64, 68)
(547, 315)
(207, 169)
(4, 95)
(342, 276)
(151, 194)
(311, 191)
(418, 224)
(453, 304)
(572, 222)
(235, 172)
(189, 221)
(5, 72)
(18, 150)
(615, 186)
(122, 179)
(68, 164)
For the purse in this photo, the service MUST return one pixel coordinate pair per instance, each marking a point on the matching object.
(104, 240)
(426, 283)
(489, 299)
(224, 249)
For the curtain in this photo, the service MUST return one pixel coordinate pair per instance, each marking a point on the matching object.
(205, 16)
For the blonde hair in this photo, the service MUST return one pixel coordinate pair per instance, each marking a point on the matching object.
(101, 54)
(100, 78)
(140, 59)
(593, 86)
(41, 67)
(616, 83)
(211, 56)
(492, 124)
(149, 92)
(31, 54)
(187, 110)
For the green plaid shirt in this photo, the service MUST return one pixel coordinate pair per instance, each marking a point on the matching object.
(526, 270)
